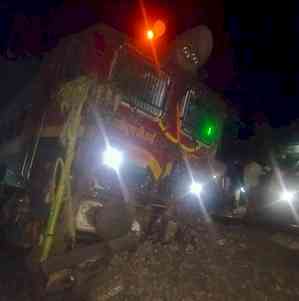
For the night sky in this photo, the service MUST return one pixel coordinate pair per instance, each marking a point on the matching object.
(259, 40)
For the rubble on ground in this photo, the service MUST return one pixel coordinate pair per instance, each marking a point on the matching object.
(211, 262)
(207, 261)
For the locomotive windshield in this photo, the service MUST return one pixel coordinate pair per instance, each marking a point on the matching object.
(140, 84)
(201, 120)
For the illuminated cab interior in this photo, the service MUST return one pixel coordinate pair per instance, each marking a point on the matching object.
(201, 121)
(142, 87)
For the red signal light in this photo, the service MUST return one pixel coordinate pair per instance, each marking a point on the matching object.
(150, 34)
(157, 31)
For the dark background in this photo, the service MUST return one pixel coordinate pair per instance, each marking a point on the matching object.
(254, 61)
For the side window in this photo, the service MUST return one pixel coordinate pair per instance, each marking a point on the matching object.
(191, 111)
(202, 117)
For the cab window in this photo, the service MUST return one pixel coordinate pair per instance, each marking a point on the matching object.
(202, 119)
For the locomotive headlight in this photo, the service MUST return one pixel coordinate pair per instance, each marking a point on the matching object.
(287, 196)
(112, 158)
(196, 188)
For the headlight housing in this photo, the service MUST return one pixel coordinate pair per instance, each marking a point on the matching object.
(112, 158)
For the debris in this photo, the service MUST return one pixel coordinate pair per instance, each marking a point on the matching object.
(171, 231)
(196, 269)
(222, 263)
(286, 240)
(136, 227)
(189, 249)
(221, 242)
(112, 292)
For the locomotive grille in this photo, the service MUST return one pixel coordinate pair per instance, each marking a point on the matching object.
(141, 85)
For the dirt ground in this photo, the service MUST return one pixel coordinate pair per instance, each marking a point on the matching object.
(210, 262)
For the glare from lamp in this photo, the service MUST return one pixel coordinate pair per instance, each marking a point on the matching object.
(150, 35)
(112, 158)
(196, 188)
(287, 196)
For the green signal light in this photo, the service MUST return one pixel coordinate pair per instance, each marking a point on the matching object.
(209, 131)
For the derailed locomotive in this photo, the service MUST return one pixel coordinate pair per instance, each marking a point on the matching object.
(115, 128)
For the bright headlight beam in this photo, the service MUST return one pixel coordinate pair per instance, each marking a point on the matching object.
(287, 196)
(112, 158)
(196, 188)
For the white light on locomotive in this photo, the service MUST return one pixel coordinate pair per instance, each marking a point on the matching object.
(196, 188)
(287, 196)
(112, 158)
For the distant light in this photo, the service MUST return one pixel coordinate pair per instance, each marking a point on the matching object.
(150, 34)
(214, 176)
(242, 189)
